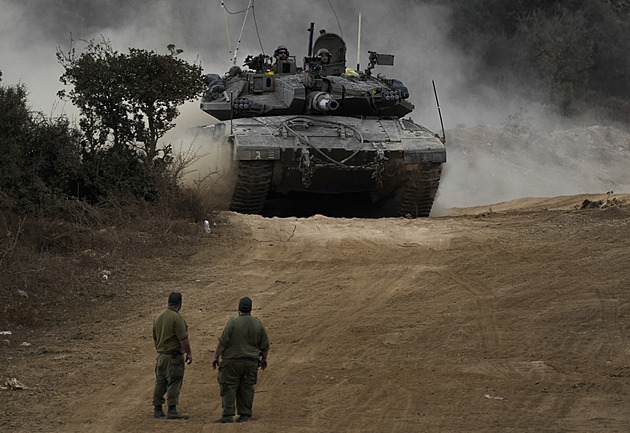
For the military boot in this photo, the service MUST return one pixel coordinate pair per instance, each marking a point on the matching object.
(174, 414)
(158, 412)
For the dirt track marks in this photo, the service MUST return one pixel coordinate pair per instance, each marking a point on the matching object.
(356, 279)
(407, 323)
(486, 314)
(614, 323)
(107, 413)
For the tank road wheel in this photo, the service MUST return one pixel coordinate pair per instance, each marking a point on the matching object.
(419, 189)
(252, 186)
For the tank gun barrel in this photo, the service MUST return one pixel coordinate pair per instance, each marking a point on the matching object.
(322, 102)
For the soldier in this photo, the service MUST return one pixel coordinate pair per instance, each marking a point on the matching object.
(283, 63)
(324, 55)
(243, 340)
(170, 336)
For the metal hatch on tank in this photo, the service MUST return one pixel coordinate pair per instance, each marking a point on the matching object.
(324, 128)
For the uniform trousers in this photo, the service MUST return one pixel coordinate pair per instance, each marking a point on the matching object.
(237, 378)
(169, 376)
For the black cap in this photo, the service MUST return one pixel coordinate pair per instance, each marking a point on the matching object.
(175, 298)
(245, 305)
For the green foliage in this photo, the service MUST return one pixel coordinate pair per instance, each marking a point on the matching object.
(128, 102)
(133, 97)
(156, 85)
(40, 157)
(57, 182)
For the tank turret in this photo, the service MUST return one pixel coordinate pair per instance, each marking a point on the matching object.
(322, 127)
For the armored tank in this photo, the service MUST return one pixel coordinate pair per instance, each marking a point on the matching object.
(323, 128)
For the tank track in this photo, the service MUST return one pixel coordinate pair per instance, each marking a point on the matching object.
(419, 189)
(252, 185)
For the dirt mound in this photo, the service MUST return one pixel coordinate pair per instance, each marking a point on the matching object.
(512, 319)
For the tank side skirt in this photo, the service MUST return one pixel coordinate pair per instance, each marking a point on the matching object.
(419, 189)
(252, 186)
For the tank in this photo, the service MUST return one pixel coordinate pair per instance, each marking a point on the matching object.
(323, 128)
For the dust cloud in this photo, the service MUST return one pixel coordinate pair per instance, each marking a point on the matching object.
(485, 165)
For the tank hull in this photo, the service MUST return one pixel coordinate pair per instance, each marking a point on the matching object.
(396, 161)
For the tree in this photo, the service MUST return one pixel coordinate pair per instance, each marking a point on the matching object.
(133, 97)
(156, 86)
(128, 102)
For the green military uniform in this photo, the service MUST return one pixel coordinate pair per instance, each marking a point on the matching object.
(244, 337)
(169, 328)
(286, 67)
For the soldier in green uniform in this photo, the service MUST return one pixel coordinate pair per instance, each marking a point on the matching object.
(243, 340)
(284, 64)
(170, 336)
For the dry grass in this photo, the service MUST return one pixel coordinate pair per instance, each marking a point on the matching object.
(79, 254)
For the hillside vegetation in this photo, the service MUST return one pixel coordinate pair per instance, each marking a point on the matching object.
(570, 53)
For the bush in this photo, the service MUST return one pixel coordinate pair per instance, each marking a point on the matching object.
(40, 157)
(68, 214)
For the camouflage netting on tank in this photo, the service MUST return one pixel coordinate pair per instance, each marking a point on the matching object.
(216, 86)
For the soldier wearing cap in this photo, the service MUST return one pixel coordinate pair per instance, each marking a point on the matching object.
(243, 340)
(170, 336)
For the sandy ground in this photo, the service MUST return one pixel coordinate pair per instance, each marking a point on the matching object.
(513, 318)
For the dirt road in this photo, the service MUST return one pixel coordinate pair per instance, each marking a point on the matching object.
(514, 319)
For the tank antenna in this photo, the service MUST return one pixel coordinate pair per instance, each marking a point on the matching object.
(359, 45)
(227, 29)
(242, 29)
(439, 112)
(336, 17)
(231, 113)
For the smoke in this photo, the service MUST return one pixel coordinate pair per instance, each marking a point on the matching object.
(489, 165)
(32, 30)
(415, 32)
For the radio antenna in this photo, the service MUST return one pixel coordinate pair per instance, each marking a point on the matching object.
(241, 35)
(359, 45)
(439, 112)
(227, 29)
(336, 17)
